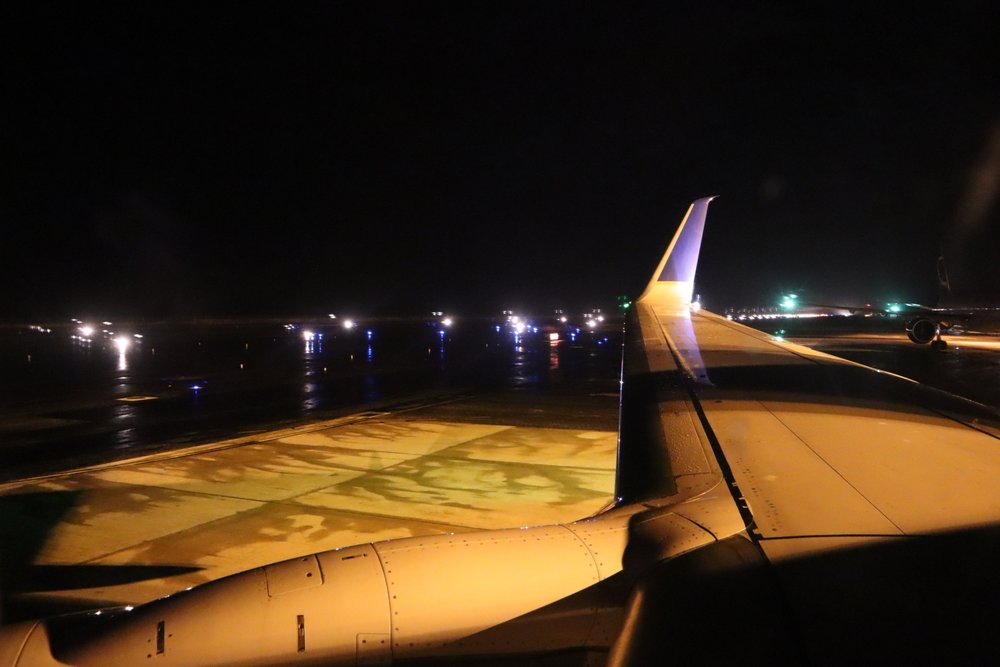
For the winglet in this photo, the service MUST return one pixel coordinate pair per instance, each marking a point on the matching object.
(673, 280)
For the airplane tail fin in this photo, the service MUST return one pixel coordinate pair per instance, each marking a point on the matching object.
(944, 284)
(673, 280)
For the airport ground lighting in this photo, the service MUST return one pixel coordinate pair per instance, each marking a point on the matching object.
(789, 301)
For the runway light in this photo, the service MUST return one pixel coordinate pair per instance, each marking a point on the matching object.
(348, 324)
(554, 337)
(86, 331)
(563, 319)
(592, 324)
(122, 343)
(446, 321)
(519, 327)
(308, 335)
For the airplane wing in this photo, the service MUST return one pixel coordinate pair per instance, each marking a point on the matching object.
(775, 504)
(870, 502)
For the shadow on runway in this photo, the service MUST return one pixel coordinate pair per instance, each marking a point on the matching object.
(26, 522)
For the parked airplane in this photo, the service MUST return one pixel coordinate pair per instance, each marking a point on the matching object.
(926, 324)
(774, 504)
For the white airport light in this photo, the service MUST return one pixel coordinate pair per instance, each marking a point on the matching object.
(554, 337)
(519, 327)
(122, 343)
(332, 316)
(86, 331)
(563, 319)
(592, 324)
(308, 335)
(446, 322)
(348, 324)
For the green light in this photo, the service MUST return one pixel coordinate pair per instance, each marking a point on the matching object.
(894, 308)
(788, 302)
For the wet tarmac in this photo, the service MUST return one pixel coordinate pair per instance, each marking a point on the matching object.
(67, 402)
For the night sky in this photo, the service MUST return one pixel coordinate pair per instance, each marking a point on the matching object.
(380, 157)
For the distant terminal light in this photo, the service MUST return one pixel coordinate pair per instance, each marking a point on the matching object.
(592, 323)
(554, 337)
(519, 327)
(332, 316)
(349, 324)
(447, 322)
(86, 331)
(563, 319)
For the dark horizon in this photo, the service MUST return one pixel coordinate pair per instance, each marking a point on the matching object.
(397, 159)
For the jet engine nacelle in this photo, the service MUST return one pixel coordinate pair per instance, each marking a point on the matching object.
(491, 592)
(922, 330)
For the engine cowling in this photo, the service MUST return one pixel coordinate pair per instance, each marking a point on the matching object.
(922, 330)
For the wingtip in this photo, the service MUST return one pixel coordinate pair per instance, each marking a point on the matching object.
(674, 276)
